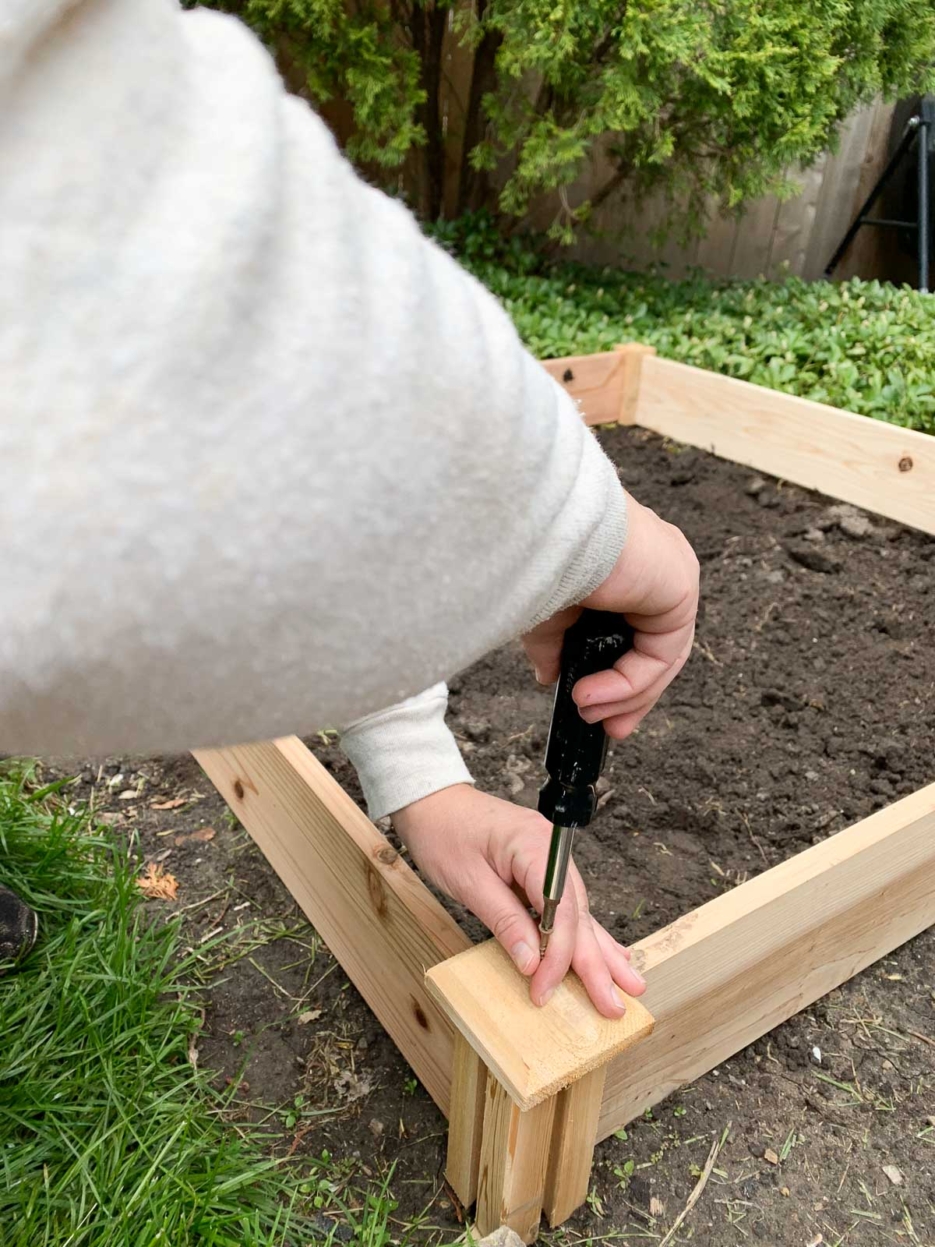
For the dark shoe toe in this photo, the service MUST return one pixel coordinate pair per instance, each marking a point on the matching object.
(19, 926)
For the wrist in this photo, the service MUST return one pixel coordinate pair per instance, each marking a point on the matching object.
(428, 810)
(631, 561)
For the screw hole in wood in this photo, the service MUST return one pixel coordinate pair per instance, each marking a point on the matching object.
(905, 464)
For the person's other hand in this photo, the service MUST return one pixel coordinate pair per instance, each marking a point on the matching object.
(491, 855)
(654, 584)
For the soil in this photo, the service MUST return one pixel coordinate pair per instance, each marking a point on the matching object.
(809, 703)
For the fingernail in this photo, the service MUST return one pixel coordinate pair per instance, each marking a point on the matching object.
(639, 978)
(546, 997)
(590, 714)
(523, 957)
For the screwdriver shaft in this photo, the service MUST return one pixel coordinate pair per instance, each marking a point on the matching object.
(556, 871)
(546, 924)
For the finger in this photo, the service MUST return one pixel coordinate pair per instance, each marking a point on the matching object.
(520, 895)
(574, 945)
(620, 726)
(631, 676)
(591, 966)
(557, 960)
(606, 709)
(505, 917)
(641, 703)
(617, 958)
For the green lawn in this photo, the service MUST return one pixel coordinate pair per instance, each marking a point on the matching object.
(108, 1135)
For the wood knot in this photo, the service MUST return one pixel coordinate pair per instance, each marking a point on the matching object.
(905, 464)
(419, 1014)
(386, 854)
(238, 790)
(377, 892)
(568, 375)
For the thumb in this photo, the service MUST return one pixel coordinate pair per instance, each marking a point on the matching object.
(489, 898)
(543, 644)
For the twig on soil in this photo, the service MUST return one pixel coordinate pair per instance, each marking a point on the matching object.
(765, 618)
(269, 978)
(204, 901)
(754, 839)
(699, 1185)
(706, 651)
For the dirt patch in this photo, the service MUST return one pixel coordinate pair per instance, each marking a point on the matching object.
(809, 703)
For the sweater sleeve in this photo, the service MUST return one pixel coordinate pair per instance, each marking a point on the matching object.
(405, 752)
(269, 459)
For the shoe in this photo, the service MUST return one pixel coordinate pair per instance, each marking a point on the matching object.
(19, 926)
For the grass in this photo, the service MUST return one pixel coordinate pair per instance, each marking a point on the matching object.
(109, 1135)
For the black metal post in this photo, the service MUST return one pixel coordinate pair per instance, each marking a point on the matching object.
(909, 135)
(924, 223)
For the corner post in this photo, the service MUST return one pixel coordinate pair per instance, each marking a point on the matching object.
(543, 1075)
(574, 1134)
(631, 355)
(465, 1121)
(514, 1159)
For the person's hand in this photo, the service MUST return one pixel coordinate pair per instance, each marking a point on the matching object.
(490, 855)
(655, 585)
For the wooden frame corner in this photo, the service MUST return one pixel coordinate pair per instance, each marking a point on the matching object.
(718, 977)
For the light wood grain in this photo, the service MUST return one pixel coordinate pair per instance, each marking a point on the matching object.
(513, 1162)
(604, 385)
(466, 1121)
(577, 1112)
(632, 354)
(724, 974)
(373, 912)
(533, 1052)
(852, 458)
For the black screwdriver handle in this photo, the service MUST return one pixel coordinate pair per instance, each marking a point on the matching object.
(575, 752)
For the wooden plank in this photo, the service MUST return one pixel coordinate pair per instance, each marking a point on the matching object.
(716, 248)
(867, 462)
(371, 909)
(513, 1163)
(726, 973)
(534, 1052)
(845, 194)
(633, 354)
(577, 1112)
(466, 1121)
(795, 218)
(753, 243)
(604, 385)
(594, 381)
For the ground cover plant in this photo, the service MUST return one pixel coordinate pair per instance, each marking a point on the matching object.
(110, 1136)
(868, 347)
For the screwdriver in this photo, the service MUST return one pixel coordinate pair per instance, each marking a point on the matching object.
(576, 750)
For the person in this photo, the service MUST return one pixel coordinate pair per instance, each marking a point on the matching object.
(270, 460)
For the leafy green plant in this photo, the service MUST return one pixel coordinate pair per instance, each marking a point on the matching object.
(868, 347)
(623, 1173)
(693, 100)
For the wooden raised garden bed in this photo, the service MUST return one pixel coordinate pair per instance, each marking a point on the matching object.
(529, 1092)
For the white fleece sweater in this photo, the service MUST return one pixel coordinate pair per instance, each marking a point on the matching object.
(269, 460)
